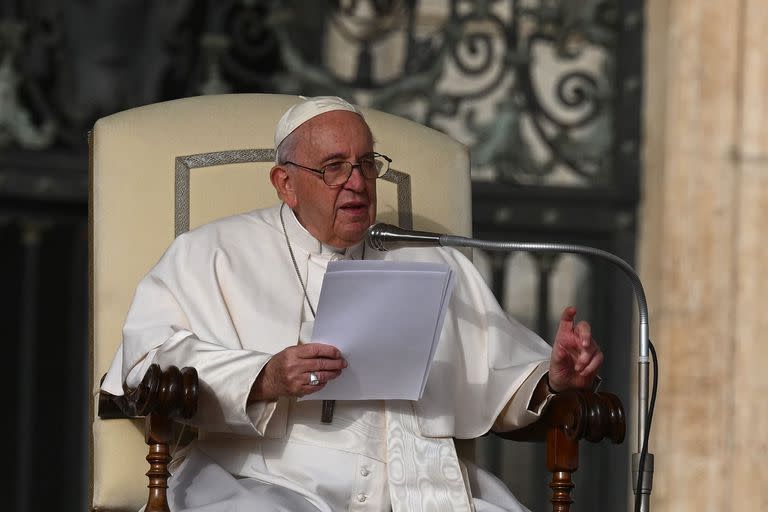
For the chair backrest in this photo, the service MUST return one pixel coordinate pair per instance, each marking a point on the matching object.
(159, 170)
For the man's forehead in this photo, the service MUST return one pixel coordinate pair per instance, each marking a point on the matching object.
(333, 135)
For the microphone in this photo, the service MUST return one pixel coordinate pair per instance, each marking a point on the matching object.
(383, 237)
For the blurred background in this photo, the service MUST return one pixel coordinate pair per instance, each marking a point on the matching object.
(634, 126)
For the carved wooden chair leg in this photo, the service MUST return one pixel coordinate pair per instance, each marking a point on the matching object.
(159, 434)
(562, 461)
(569, 417)
(162, 397)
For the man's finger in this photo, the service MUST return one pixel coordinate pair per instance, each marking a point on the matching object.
(308, 389)
(324, 364)
(583, 330)
(559, 354)
(594, 365)
(584, 358)
(323, 376)
(566, 319)
(315, 350)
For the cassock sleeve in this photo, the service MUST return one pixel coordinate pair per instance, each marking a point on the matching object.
(167, 324)
(226, 377)
(518, 413)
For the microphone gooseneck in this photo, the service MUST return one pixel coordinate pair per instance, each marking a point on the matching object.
(383, 237)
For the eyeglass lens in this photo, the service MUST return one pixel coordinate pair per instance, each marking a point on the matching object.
(339, 172)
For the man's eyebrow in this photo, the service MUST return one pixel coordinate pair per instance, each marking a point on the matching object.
(342, 156)
(334, 156)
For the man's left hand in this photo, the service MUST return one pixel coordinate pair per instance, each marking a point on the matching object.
(576, 356)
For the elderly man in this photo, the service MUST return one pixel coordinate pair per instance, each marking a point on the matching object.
(236, 299)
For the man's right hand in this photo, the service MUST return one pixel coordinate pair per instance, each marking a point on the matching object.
(287, 373)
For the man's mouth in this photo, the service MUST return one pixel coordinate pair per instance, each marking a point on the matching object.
(354, 207)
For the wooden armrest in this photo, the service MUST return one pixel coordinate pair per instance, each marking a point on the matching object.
(568, 418)
(161, 398)
(589, 415)
(171, 393)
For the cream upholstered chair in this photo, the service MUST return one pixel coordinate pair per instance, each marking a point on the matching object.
(159, 170)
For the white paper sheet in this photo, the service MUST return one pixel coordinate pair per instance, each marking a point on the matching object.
(386, 318)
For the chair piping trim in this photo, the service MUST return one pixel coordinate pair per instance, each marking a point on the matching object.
(185, 164)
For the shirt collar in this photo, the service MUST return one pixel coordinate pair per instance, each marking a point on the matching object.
(301, 238)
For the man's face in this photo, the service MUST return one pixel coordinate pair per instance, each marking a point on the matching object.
(337, 216)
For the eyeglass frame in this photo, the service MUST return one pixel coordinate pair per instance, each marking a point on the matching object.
(322, 171)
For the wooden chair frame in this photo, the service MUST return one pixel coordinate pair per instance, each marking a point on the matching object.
(569, 417)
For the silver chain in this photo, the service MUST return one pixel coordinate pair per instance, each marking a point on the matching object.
(293, 259)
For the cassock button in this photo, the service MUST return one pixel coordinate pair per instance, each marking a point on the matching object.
(364, 471)
(361, 497)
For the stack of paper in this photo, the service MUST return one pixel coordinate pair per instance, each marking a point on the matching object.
(385, 317)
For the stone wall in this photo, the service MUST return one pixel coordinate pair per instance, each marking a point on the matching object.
(704, 250)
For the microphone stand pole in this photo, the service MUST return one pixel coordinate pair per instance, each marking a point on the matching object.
(381, 236)
(644, 492)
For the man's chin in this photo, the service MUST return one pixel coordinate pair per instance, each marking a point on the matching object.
(352, 235)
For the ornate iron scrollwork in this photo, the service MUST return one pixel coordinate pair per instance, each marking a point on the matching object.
(16, 120)
(528, 85)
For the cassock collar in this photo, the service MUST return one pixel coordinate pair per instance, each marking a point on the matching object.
(303, 239)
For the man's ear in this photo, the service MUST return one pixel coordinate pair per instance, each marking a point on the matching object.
(283, 182)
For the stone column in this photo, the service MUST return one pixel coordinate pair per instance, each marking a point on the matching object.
(704, 250)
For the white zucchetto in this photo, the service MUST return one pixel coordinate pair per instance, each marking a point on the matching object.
(302, 112)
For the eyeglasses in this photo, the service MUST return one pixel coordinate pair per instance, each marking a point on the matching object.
(336, 174)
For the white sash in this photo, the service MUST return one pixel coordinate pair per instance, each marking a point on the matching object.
(424, 473)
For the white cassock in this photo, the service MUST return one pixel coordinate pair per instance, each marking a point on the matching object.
(225, 297)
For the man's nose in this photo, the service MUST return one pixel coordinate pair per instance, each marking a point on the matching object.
(356, 180)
